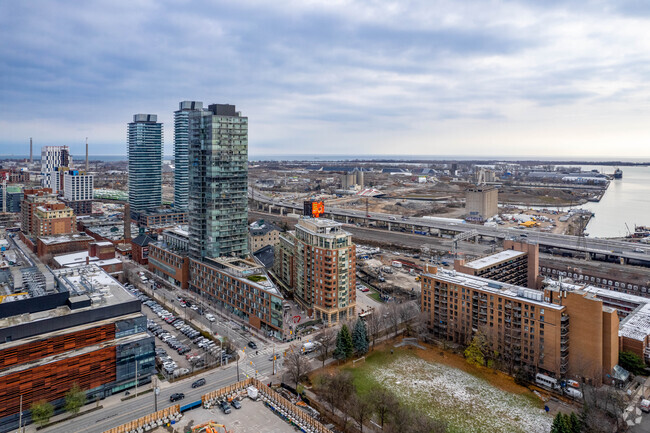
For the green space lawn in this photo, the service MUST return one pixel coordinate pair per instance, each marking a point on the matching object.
(468, 404)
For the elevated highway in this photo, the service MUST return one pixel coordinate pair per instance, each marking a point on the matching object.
(606, 249)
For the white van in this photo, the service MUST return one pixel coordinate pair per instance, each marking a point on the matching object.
(546, 381)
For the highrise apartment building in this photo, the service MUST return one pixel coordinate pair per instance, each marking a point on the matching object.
(218, 182)
(78, 191)
(181, 150)
(52, 158)
(318, 263)
(145, 153)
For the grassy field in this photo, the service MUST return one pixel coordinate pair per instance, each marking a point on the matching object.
(465, 399)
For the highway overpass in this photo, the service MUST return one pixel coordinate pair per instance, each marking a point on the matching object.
(589, 247)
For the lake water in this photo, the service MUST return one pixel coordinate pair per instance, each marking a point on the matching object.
(627, 201)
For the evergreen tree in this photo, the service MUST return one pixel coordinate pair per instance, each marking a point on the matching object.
(560, 424)
(360, 337)
(344, 347)
(575, 424)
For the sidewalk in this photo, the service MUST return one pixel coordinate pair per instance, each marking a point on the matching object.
(196, 298)
(632, 414)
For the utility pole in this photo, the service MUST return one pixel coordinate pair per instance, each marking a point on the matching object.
(20, 417)
(274, 358)
(156, 391)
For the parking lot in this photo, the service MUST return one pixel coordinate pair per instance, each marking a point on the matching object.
(180, 348)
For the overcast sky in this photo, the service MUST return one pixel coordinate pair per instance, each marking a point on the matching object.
(529, 78)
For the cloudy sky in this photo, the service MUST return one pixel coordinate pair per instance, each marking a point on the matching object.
(530, 78)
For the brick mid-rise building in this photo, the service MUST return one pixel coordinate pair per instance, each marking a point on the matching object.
(517, 264)
(168, 258)
(560, 332)
(53, 219)
(32, 198)
(317, 263)
(241, 287)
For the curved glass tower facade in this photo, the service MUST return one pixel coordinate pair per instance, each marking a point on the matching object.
(145, 153)
(181, 148)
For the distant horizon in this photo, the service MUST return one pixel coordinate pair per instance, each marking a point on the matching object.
(371, 157)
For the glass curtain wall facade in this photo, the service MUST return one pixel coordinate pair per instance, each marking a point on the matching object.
(181, 149)
(145, 153)
(218, 182)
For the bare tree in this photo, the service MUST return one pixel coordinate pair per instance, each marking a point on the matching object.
(296, 364)
(360, 410)
(384, 403)
(408, 421)
(392, 318)
(408, 312)
(327, 340)
(374, 322)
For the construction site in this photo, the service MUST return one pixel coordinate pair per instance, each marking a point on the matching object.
(517, 198)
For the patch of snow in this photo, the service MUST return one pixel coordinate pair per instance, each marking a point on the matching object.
(468, 403)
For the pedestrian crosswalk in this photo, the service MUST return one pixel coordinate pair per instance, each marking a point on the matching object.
(252, 353)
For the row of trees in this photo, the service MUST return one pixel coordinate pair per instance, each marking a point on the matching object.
(365, 333)
(563, 423)
(42, 410)
(341, 397)
(341, 345)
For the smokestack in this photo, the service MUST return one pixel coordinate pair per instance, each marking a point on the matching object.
(31, 152)
(86, 155)
(127, 222)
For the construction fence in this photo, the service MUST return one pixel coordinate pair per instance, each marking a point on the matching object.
(156, 419)
(278, 404)
(274, 401)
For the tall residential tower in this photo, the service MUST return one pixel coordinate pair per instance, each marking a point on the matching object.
(181, 149)
(145, 153)
(218, 182)
(54, 158)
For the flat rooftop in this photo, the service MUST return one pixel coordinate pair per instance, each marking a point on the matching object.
(61, 239)
(88, 285)
(636, 325)
(494, 259)
(78, 259)
(246, 270)
(322, 227)
(93, 281)
(517, 293)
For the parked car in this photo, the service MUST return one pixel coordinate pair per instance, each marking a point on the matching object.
(198, 383)
(176, 396)
(236, 404)
(645, 405)
(210, 317)
(225, 407)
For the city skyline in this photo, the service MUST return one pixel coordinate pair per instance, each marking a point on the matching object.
(511, 78)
